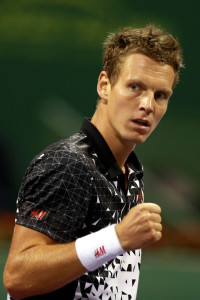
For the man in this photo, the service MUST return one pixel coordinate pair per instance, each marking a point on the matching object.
(79, 228)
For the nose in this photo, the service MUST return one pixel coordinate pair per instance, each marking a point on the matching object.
(147, 102)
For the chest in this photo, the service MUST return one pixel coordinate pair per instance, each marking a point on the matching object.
(110, 200)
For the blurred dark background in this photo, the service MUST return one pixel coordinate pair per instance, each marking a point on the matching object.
(50, 58)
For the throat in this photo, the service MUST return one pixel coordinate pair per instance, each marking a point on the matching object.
(125, 170)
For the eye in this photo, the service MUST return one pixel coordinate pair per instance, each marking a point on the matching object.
(160, 96)
(135, 87)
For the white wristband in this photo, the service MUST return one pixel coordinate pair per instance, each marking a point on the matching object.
(97, 248)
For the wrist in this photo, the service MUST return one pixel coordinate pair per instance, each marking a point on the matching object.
(121, 237)
(95, 249)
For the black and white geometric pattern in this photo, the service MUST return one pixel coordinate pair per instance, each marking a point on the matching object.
(73, 188)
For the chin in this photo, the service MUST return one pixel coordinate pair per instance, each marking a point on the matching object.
(141, 141)
(140, 138)
(135, 141)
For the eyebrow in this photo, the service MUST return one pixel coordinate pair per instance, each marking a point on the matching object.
(143, 85)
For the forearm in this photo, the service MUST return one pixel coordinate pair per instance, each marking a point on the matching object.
(38, 265)
(42, 269)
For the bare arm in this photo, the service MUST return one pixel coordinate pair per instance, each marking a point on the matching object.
(38, 265)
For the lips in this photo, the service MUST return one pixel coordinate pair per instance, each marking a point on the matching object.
(142, 122)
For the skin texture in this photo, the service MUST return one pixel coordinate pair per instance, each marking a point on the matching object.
(36, 263)
(142, 91)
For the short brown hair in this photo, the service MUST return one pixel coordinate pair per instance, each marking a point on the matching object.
(150, 41)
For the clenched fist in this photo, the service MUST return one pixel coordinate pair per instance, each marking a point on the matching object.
(140, 227)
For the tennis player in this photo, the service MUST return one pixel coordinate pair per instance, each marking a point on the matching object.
(81, 220)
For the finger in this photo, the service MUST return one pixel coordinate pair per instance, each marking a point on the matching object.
(158, 235)
(155, 218)
(151, 207)
(158, 227)
(157, 232)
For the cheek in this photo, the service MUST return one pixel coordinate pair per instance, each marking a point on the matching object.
(117, 103)
(160, 114)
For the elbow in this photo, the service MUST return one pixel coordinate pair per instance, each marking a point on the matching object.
(9, 284)
(12, 284)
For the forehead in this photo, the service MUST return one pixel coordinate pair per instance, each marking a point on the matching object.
(141, 67)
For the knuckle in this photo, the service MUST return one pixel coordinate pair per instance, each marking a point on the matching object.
(142, 207)
(153, 234)
(147, 218)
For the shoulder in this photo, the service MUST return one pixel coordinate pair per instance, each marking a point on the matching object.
(62, 154)
(58, 171)
(67, 160)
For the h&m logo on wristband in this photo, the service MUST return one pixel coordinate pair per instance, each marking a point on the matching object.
(99, 251)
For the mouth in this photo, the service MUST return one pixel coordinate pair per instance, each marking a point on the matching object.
(142, 122)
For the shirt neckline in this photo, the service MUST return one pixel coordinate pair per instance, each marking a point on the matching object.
(106, 154)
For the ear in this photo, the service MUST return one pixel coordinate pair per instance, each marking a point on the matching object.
(103, 86)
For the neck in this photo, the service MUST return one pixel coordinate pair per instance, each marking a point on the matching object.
(119, 148)
(119, 151)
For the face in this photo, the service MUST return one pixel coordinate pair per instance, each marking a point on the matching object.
(135, 104)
